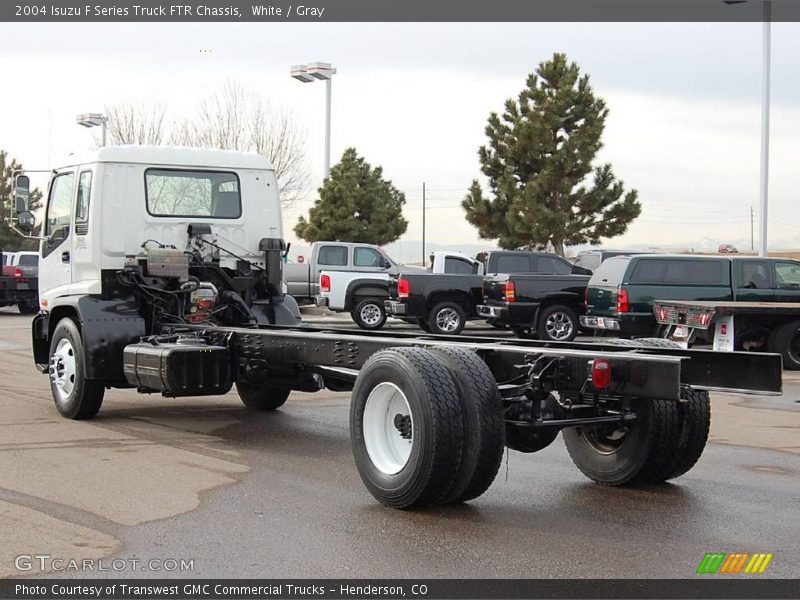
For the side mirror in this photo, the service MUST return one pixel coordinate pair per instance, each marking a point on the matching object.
(25, 221)
(22, 194)
(385, 264)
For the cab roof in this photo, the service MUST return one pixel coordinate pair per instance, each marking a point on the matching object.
(173, 156)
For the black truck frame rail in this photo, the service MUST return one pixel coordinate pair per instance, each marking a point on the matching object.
(297, 354)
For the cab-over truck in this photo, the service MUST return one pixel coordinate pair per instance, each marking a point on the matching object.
(161, 270)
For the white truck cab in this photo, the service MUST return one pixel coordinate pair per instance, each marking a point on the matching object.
(137, 239)
(101, 208)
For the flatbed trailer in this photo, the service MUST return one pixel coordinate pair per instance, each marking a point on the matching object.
(732, 325)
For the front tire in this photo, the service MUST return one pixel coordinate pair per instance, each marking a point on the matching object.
(406, 427)
(447, 318)
(75, 396)
(369, 314)
(262, 397)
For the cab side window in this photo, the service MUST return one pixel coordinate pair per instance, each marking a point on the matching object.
(82, 203)
(787, 275)
(366, 257)
(756, 275)
(335, 256)
(59, 209)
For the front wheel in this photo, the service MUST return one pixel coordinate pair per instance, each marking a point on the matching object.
(447, 318)
(369, 314)
(75, 396)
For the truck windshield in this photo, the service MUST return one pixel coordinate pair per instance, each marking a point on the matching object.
(180, 193)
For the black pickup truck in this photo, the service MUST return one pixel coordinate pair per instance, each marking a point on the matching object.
(443, 304)
(536, 306)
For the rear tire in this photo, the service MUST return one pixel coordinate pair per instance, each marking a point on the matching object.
(557, 323)
(28, 307)
(484, 423)
(695, 422)
(447, 318)
(423, 324)
(406, 427)
(75, 396)
(369, 314)
(785, 340)
(641, 451)
(262, 397)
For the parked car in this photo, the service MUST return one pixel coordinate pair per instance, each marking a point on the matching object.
(547, 307)
(443, 304)
(591, 259)
(363, 294)
(727, 249)
(621, 293)
(302, 279)
(19, 281)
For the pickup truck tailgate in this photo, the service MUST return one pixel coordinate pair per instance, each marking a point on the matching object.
(494, 288)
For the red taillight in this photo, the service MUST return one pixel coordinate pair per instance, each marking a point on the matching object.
(325, 283)
(403, 288)
(622, 301)
(601, 373)
(510, 292)
(17, 272)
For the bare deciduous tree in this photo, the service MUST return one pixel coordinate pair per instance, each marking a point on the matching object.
(135, 124)
(229, 119)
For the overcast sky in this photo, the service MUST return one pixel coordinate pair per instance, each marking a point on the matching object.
(414, 98)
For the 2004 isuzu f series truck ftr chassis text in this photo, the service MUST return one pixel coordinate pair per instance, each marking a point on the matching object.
(161, 270)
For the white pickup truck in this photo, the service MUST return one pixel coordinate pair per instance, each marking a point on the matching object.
(302, 278)
(363, 294)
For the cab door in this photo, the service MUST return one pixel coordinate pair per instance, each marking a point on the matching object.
(787, 281)
(755, 281)
(55, 265)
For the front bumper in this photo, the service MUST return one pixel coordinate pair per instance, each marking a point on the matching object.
(395, 308)
(321, 301)
(492, 312)
(603, 323)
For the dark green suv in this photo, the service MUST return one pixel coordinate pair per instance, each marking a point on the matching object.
(620, 294)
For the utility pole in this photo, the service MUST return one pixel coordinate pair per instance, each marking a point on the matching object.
(424, 262)
(752, 221)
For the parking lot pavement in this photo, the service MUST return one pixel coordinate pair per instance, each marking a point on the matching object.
(277, 494)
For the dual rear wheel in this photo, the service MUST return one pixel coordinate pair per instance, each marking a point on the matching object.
(426, 426)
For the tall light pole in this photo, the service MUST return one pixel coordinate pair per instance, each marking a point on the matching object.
(324, 71)
(94, 120)
(766, 42)
(765, 85)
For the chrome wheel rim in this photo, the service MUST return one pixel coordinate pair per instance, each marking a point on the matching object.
(371, 314)
(605, 440)
(558, 326)
(388, 428)
(62, 370)
(447, 320)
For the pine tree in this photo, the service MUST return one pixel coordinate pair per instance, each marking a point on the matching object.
(539, 165)
(11, 241)
(355, 205)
